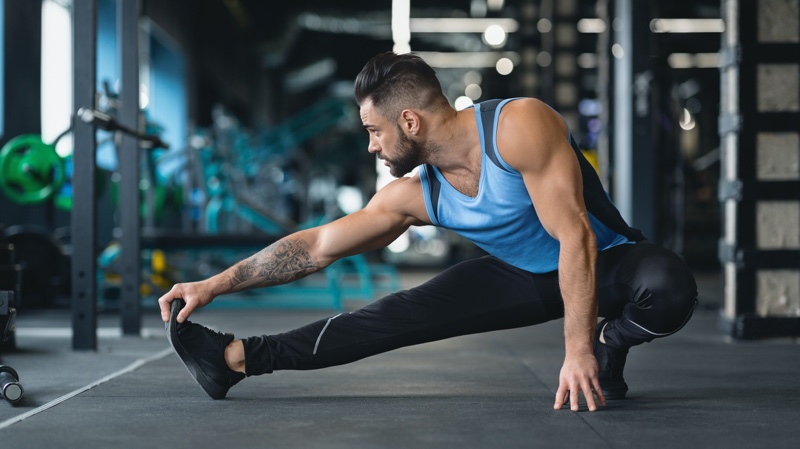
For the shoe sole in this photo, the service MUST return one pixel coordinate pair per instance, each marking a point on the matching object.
(614, 397)
(209, 386)
(615, 392)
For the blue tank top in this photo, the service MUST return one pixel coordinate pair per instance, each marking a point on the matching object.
(501, 219)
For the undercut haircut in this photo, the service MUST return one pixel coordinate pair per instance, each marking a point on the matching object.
(395, 82)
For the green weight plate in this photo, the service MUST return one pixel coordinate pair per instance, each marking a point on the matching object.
(31, 171)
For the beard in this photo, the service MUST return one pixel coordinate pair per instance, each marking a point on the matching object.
(409, 156)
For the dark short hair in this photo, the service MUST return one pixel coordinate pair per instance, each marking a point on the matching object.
(394, 82)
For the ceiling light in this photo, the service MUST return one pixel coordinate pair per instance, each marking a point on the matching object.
(696, 60)
(473, 91)
(544, 26)
(472, 77)
(687, 122)
(544, 59)
(495, 35)
(687, 25)
(463, 103)
(595, 26)
(468, 60)
(420, 25)
(504, 66)
(495, 5)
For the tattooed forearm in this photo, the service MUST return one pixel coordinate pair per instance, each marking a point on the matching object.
(284, 261)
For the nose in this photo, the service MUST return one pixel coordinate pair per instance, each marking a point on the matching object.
(373, 146)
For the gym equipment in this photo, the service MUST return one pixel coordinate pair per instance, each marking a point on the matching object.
(256, 180)
(10, 389)
(31, 172)
(10, 278)
(157, 274)
(9, 384)
(42, 263)
(108, 123)
(7, 314)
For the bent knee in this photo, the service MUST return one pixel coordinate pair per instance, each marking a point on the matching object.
(666, 307)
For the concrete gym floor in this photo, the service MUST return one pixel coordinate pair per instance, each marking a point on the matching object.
(696, 389)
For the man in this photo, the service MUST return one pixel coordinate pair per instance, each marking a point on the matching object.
(508, 176)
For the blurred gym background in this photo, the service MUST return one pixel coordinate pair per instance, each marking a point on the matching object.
(158, 141)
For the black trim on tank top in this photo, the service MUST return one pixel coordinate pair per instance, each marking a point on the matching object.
(597, 203)
(435, 187)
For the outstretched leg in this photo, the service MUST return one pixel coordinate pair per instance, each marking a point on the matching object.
(474, 296)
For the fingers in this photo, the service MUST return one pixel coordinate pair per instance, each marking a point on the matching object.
(164, 303)
(573, 399)
(567, 394)
(562, 395)
(588, 393)
(601, 399)
(185, 312)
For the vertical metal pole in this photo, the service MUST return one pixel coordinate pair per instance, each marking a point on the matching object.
(128, 29)
(729, 149)
(604, 90)
(645, 150)
(635, 174)
(84, 209)
(623, 109)
(401, 31)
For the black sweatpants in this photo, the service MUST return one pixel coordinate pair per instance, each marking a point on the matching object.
(644, 290)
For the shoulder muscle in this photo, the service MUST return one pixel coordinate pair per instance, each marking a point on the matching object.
(402, 197)
(529, 132)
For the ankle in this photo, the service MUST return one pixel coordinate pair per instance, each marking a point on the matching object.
(234, 356)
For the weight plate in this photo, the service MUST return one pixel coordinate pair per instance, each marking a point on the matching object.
(31, 171)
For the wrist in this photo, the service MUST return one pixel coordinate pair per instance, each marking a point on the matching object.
(579, 345)
(215, 285)
(579, 350)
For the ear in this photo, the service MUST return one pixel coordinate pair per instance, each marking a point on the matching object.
(410, 121)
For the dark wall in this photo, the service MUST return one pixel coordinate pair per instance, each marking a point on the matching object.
(175, 18)
(222, 66)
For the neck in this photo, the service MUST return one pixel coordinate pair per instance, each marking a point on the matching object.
(457, 143)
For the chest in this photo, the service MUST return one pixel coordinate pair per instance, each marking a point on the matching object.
(466, 184)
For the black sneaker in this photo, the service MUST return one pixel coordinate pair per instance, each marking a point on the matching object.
(611, 362)
(203, 352)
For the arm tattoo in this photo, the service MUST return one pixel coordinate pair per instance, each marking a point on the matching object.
(283, 261)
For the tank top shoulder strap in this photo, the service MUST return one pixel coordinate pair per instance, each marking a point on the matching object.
(488, 113)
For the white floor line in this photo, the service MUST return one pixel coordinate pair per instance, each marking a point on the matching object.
(130, 368)
(66, 332)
